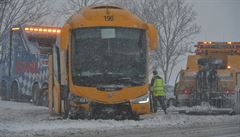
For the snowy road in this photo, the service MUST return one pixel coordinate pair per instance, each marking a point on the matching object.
(220, 130)
(22, 119)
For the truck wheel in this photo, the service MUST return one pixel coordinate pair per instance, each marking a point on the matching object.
(15, 91)
(66, 109)
(35, 94)
(3, 90)
(135, 117)
(43, 96)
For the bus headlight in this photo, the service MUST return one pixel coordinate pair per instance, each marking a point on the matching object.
(78, 99)
(141, 100)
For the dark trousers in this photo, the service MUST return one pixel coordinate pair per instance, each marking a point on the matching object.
(161, 101)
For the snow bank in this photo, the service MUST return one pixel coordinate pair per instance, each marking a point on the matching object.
(19, 106)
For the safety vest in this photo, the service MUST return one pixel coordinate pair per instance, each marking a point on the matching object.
(158, 87)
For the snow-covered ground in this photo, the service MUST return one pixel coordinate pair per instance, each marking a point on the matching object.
(23, 119)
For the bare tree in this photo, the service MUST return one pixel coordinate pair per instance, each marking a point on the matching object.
(176, 27)
(69, 7)
(14, 12)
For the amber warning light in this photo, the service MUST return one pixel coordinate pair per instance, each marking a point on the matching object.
(43, 30)
(15, 28)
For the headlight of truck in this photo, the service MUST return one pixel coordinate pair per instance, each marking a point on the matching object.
(141, 100)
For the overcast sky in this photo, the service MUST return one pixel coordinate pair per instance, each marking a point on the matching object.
(220, 19)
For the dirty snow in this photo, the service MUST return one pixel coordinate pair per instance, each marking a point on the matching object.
(29, 119)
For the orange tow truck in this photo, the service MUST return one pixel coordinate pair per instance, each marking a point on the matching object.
(212, 75)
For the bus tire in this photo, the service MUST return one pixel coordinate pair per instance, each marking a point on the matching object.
(66, 109)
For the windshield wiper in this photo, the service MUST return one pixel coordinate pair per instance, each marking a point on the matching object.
(89, 74)
(125, 80)
(109, 78)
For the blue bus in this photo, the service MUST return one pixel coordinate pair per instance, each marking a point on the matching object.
(24, 63)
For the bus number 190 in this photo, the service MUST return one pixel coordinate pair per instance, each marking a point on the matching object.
(108, 18)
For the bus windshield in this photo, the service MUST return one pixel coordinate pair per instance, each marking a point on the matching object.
(108, 55)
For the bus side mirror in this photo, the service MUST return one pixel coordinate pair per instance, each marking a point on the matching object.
(153, 36)
(64, 36)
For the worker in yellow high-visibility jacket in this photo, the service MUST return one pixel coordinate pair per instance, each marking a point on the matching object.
(157, 89)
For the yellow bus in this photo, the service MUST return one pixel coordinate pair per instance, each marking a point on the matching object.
(99, 67)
